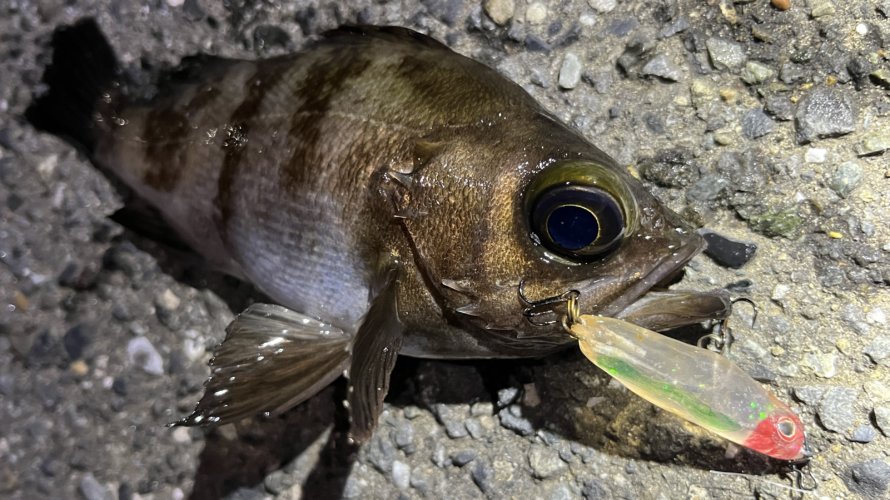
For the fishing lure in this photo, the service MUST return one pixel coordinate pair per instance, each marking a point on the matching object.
(695, 384)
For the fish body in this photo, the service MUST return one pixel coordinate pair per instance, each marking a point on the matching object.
(696, 384)
(390, 195)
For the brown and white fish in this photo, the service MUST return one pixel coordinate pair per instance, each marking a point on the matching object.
(390, 195)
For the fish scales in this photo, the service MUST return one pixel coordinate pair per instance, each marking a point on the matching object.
(392, 195)
(314, 106)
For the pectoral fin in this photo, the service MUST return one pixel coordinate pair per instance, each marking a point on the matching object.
(272, 359)
(374, 355)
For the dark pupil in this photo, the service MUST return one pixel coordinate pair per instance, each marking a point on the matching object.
(572, 227)
(786, 428)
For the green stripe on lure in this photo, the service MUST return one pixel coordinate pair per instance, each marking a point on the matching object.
(696, 384)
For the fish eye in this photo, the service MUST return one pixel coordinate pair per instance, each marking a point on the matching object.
(786, 428)
(577, 221)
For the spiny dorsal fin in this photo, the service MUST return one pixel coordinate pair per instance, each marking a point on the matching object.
(396, 34)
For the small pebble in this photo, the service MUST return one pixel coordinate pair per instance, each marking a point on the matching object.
(91, 489)
(755, 73)
(781, 4)
(874, 143)
(401, 475)
(824, 365)
(877, 390)
(756, 124)
(182, 435)
(507, 396)
(463, 457)
(79, 368)
(882, 76)
(816, 155)
(403, 436)
(845, 178)
(882, 418)
(821, 8)
(545, 462)
(708, 188)
(511, 418)
(779, 107)
(142, 354)
(452, 417)
(381, 454)
(726, 252)
(725, 54)
(870, 478)
(602, 6)
(536, 13)
(411, 412)
(483, 476)
(864, 434)
(876, 316)
(168, 300)
(879, 350)
(570, 72)
(824, 112)
(76, 341)
(780, 291)
(836, 411)
(500, 11)
(662, 67)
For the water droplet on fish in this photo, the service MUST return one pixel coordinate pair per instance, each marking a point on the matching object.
(274, 342)
(221, 392)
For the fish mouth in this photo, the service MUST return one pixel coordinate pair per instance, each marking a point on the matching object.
(665, 269)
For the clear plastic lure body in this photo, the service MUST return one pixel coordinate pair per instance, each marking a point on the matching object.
(693, 383)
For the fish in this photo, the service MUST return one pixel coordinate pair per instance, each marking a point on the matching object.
(389, 195)
(695, 384)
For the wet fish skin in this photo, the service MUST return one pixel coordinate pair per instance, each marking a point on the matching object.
(374, 182)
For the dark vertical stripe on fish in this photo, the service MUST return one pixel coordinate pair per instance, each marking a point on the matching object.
(323, 81)
(166, 133)
(237, 131)
(165, 128)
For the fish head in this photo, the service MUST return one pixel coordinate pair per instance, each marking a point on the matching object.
(497, 245)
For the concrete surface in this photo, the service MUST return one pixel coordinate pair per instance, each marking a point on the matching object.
(105, 335)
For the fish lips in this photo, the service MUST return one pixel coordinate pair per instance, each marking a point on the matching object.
(663, 270)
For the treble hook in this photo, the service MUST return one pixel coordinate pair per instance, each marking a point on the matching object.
(799, 477)
(534, 309)
(723, 337)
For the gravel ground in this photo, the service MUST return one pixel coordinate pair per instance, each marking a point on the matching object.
(768, 126)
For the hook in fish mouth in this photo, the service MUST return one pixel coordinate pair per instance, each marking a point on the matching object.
(537, 312)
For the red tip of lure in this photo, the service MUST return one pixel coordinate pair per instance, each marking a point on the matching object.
(780, 435)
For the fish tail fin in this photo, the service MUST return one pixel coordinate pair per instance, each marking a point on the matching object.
(81, 85)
